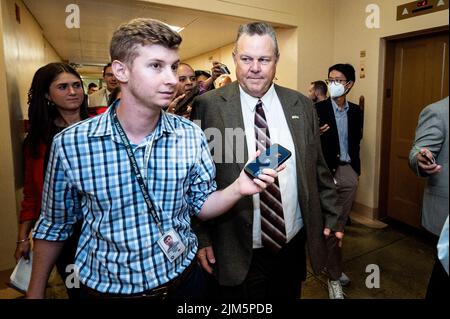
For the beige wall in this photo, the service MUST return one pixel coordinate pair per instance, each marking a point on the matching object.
(22, 51)
(352, 36)
(204, 61)
(7, 189)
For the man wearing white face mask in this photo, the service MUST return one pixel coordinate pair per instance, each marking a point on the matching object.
(340, 129)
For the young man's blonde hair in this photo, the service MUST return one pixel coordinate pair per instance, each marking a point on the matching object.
(142, 32)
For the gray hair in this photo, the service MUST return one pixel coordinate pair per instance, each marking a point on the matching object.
(259, 28)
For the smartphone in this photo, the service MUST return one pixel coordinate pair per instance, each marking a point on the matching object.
(224, 69)
(273, 157)
(430, 161)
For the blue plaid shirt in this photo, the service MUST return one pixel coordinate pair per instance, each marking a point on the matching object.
(89, 177)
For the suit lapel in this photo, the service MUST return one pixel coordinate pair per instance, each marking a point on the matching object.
(232, 117)
(331, 116)
(333, 124)
(295, 118)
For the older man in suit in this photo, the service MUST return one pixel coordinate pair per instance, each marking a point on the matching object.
(429, 158)
(258, 249)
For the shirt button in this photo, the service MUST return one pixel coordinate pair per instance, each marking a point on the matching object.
(338, 156)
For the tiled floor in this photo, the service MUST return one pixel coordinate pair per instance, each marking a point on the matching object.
(404, 258)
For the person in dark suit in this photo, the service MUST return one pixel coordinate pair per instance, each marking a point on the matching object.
(241, 250)
(317, 91)
(340, 127)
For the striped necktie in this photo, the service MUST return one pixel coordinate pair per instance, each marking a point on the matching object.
(273, 229)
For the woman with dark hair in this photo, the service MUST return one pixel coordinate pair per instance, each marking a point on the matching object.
(56, 100)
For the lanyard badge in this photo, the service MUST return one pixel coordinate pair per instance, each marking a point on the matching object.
(171, 244)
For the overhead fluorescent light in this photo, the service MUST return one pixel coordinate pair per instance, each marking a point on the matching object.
(175, 28)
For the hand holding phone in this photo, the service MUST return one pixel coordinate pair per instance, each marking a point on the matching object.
(272, 158)
(224, 69)
(429, 160)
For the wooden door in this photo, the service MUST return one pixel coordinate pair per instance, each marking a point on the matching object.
(420, 78)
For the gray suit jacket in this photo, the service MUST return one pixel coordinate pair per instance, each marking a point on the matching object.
(432, 133)
(231, 234)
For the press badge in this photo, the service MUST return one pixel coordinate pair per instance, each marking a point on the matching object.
(171, 244)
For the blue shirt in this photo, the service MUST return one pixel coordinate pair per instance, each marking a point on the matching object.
(342, 127)
(89, 177)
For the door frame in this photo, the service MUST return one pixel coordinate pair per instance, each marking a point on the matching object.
(386, 109)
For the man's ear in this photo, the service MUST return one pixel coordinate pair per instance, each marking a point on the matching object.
(120, 71)
(350, 84)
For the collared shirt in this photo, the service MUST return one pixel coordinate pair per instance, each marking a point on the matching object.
(342, 127)
(90, 178)
(99, 98)
(279, 133)
(442, 246)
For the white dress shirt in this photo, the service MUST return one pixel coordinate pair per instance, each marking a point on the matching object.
(279, 133)
(99, 98)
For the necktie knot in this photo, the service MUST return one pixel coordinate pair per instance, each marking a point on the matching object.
(259, 105)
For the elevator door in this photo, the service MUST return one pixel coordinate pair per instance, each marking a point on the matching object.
(420, 78)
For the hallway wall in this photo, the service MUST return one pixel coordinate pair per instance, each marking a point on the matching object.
(23, 50)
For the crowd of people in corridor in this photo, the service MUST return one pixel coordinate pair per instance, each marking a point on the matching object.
(111, 192)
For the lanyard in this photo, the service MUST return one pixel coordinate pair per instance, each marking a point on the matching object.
(136, 170)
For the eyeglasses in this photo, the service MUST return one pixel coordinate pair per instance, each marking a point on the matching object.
(336, 81)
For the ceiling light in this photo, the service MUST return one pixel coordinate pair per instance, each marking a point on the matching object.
(175, 28)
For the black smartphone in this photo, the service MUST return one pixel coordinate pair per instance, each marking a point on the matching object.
(273, 157)
(430, 160)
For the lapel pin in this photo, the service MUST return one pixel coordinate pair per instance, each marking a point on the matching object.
(295, 117)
